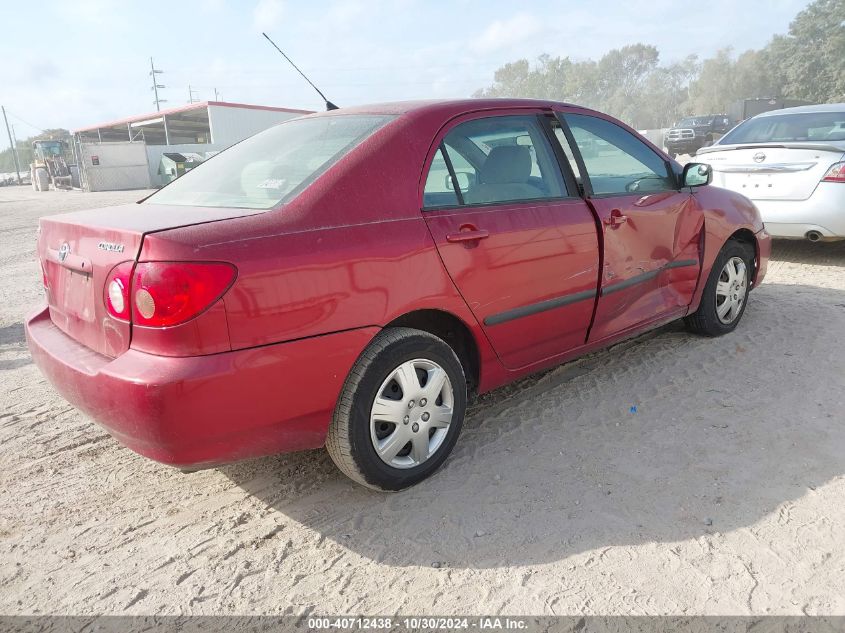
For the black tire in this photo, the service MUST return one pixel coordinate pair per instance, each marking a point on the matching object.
(705, 320)
(42, 179)
(349, 440)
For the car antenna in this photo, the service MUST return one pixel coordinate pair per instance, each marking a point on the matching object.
(329, 104)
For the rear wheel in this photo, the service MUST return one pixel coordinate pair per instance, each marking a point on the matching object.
(400, 412)
(726, 293)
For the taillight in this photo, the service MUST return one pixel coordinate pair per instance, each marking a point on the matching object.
(116, 291)
(169, 293)
(836, 173)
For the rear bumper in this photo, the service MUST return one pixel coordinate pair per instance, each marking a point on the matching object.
(824, 212)
(204, 409)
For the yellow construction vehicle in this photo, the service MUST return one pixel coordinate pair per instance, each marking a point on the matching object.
(49, 166)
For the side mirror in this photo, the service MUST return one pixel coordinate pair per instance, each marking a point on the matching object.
(464, 181)
(696, 175)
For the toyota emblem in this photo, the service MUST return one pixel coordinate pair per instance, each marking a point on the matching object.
(759, 157)
(64, 251)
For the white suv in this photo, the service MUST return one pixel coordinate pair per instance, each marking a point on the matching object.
(791, 164)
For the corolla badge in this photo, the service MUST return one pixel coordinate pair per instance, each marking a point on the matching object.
(110, 247)
(759, 157)
(64, 251)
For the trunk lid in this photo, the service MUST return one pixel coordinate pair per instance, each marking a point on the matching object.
(790, 171)
(78, 250)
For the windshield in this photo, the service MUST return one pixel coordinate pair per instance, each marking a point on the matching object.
(695, 120)
(786, 128)
(53, 148)
(271, 167)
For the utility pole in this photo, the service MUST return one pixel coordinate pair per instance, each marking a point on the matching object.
(15, 146)
(191, 92)
(14, 149)
(153, 72)
(216, 95)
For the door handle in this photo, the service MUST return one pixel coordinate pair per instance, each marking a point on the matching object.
(616, 219)
(470, 235)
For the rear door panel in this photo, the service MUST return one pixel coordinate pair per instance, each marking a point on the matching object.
(532, 283)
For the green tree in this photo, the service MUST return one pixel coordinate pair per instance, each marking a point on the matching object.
(630, 83)
(619, 83)
(24, 147)
(811, 58)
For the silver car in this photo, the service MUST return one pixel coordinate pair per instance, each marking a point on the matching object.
(791, 164)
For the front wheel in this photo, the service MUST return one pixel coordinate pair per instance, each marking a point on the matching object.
(42, 179)
(726, 293)
(400, 412)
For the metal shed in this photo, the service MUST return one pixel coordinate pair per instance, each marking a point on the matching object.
(203, 128)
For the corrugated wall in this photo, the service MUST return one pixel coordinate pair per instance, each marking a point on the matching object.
(230, 125)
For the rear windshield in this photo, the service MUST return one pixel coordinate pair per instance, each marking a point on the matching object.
(786, 128)
(271, 167)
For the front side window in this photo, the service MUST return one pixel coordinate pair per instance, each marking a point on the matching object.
(617, 162)
(271, 167)
(495, 160)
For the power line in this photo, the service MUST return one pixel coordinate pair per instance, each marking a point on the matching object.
(25, 122)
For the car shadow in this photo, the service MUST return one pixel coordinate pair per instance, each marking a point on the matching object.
(810, 253)
(661, 439)
(12, 335)
(12, 339)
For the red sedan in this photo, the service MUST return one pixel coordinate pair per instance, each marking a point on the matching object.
(349, 279)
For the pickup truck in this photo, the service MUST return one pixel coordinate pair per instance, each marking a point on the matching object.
(692, 133)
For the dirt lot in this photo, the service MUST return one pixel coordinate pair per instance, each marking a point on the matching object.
(722, 494)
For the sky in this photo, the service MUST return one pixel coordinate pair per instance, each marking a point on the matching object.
(74, 63)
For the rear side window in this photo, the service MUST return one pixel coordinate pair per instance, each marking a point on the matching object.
(271, 167)
(439, 188)
(617, 162)
(494, 160)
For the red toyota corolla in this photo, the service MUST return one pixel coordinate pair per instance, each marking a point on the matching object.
(350, 278)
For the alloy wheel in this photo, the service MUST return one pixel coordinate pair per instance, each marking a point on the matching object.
(411, 413)
(731, 290)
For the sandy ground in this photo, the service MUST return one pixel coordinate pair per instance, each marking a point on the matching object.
(723, 494)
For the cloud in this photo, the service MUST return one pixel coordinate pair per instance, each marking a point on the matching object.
(267, 14)
(506, 33)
